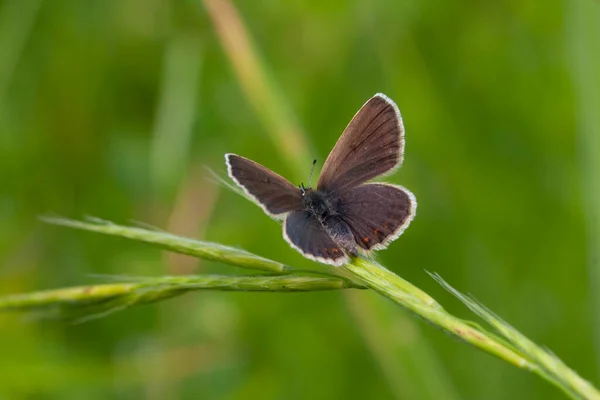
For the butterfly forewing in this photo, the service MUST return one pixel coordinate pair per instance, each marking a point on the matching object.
(272, 192)
(306, 234)
(371, 145)
(378, 213)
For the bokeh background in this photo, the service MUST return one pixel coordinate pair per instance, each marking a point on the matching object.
(115, 108)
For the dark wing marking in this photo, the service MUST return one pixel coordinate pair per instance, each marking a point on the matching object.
(272, 192)
(371, 145)
(378, 213)
(303, 231)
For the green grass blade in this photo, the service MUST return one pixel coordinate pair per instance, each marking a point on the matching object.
(519, 351)
(552, 368)
(388, 284)
(87, 302)
(583, 45)
(196, 248)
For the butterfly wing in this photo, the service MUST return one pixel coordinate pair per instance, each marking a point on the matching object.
(273, 193)
(378, 213)
(303, 231)
(371, 145)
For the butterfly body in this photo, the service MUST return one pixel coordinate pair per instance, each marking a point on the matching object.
(345, 213)
(327, 209)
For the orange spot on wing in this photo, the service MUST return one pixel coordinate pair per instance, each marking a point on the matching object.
(378, 234)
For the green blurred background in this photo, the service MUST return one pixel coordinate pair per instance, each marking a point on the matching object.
(114, 108)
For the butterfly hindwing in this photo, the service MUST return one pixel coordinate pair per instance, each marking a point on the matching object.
(275, 194)
(370, 146)
(305, 233)
(378, 213)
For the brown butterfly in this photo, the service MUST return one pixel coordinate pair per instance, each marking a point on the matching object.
(345, 213)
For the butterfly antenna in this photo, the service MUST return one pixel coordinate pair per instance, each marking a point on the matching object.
(312, 169)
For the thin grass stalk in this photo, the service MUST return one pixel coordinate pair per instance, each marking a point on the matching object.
(388, 284)
(514, 348)
(176, 109)
(196, 248)
(147, 290)
(583, 50)
(552, 367)
(259, 88)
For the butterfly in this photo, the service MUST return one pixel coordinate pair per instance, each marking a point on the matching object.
(345, 214)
